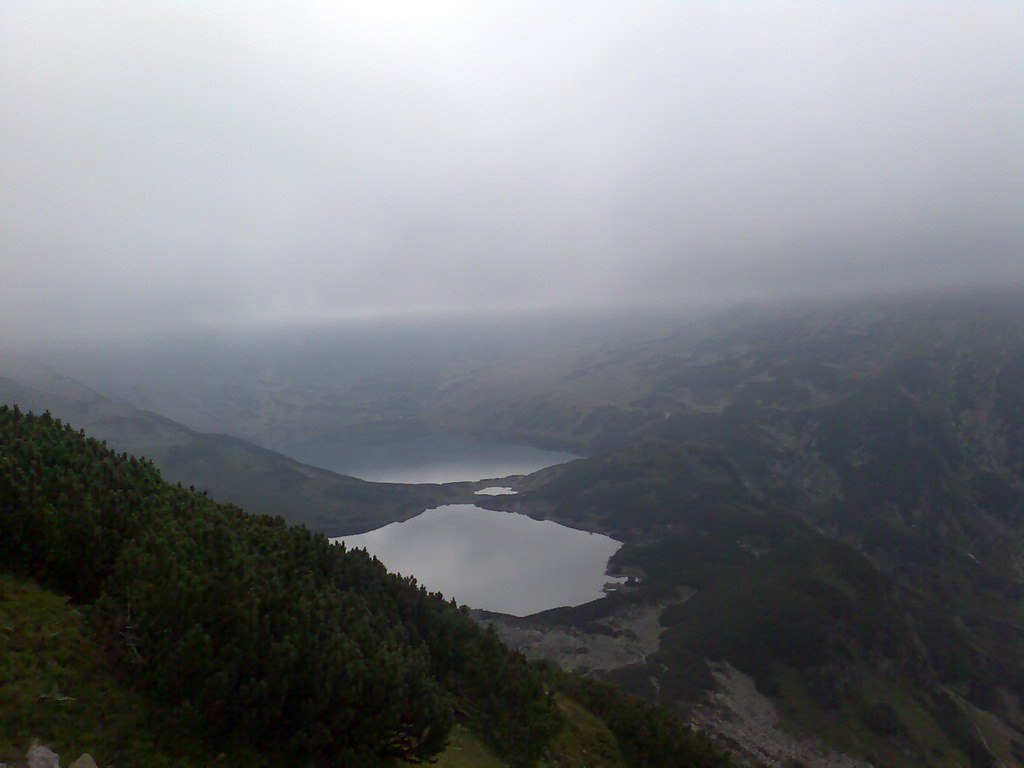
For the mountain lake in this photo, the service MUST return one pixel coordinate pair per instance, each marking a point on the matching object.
(497, 561)
(435, 458)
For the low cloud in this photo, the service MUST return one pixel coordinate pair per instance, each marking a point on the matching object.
(194, 164)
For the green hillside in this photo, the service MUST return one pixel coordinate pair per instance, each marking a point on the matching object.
(230, 469)
(57, 685)
(191, 628)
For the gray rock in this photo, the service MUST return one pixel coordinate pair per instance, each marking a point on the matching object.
(85, 761)
(40, 756)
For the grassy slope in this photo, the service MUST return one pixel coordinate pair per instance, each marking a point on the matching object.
(55, 685)
(584, 742)
(467, 751)
(265, 482)
(885, 722)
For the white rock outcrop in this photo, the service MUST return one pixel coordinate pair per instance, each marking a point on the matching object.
(41, 756)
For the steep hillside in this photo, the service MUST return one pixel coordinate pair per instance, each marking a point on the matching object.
(838, 496)
(253, 631)
(239, 633)
(367, 381)
(731, 369)
(58, 685)
(230, 469)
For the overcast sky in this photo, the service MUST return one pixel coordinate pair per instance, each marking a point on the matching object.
(233, 162)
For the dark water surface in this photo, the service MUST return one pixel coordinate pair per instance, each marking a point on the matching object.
(435, 458)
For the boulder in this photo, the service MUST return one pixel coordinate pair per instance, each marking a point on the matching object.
(41, 756)
(85, 761)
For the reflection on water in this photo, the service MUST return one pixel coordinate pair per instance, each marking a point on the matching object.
(427, 459)
(497, 561)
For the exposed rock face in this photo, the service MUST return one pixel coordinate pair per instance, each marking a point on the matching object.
(40, 756)
(623, 637)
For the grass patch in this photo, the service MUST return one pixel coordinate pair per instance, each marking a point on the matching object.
(584, 742)
(465, 750)
(56, 686)
(917, 739)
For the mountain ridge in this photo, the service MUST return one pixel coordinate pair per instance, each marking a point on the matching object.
(230, 468)
(900, 458)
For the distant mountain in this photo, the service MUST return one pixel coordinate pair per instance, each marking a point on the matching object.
(231, 469)
(829, 500)
(730, 366)
(364, 381)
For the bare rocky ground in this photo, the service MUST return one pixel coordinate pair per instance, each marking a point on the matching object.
(748, 722)
(735, 713)
(626, 637)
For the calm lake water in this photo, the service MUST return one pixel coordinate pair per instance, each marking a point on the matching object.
(497, 561)
(427, 459)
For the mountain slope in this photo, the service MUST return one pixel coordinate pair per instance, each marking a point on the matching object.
(251, 631)
(242, 635)
(843, 478)
(735, 365)
(231, 469)
(843, 488)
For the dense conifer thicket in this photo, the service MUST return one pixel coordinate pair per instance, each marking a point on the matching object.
(253, 629)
